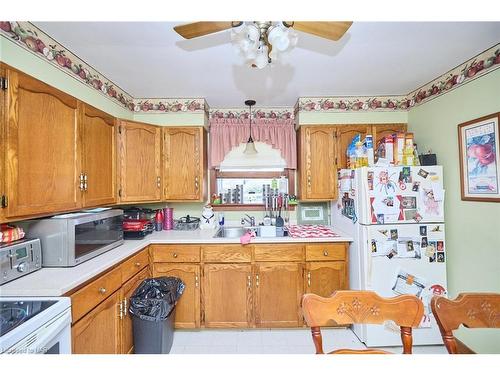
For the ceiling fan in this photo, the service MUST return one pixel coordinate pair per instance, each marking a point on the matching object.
(261, 42)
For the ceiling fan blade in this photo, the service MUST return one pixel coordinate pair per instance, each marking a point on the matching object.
(195, 29)
(328, 30)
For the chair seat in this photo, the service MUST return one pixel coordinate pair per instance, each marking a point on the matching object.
(360, 351)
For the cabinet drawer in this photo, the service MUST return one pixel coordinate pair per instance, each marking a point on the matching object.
(86, 298)
(279, 253)
(326, 251)
(175, 253)
(227, 254)
(134, 264)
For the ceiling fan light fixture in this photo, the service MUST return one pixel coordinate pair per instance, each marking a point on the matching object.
(253, 32)
(250, 146)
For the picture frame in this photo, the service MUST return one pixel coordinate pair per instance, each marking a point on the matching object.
(479, 154)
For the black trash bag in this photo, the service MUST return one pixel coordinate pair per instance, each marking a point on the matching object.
(154, 299)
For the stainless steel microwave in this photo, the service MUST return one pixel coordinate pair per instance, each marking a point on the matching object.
(68, 240)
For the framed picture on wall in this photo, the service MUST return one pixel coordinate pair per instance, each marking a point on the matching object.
(478, 142)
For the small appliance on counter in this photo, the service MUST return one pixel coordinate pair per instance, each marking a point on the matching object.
(70, 239)
(19, 258)
(187, 223)
(137, 229)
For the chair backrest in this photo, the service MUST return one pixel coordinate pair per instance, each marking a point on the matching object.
(473, 310)
(351, 306)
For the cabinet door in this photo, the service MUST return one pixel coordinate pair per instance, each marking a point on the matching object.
(184, 167)
(323, 278)
(187, 311)
(227, 295)
(99, 331)
(345, 134)
(127, 341)
(43, 148)
(3, 155)
(139, 162)
(278, 289)
(319, 176)
(381, 130)
(99, 157)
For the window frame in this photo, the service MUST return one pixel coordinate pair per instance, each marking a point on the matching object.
(216, 173)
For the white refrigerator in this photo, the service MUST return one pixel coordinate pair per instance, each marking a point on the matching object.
(395, 216)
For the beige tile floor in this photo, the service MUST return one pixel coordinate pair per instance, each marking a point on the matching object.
(273, 341)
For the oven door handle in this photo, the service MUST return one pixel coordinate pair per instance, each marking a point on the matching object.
(50, 332)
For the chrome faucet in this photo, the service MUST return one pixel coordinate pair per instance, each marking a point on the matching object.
(250, 220)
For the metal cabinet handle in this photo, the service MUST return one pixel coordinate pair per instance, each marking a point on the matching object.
(137, 264)
(102, 290)
(158, 181)
(309, 180)
(257, 281)
(308, 278)
(82, 186)
(174, 255)
(325, 253)
(125, 306)
(196, 281)
(249, 279)
(120, 310)
(196, 185)
(85, 182)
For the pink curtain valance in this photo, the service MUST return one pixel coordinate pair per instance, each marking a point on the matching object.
(227, 133)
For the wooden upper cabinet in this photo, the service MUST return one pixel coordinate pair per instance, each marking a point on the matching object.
(317, 168)
(139, 159)
(227, 295)
(184, 163)
(99, 157)
(381, 130)
(43, 148)
(345, 134)
(3, 158)
(278, 288)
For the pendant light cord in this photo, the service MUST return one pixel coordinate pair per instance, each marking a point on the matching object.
(251, 122)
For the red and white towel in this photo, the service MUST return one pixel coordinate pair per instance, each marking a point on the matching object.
(311, 231)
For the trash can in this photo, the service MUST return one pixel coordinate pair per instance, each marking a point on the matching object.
(152, 306)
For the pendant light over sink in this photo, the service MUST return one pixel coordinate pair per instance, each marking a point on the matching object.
(250, 147)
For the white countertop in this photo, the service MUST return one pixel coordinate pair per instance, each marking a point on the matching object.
(51, 282)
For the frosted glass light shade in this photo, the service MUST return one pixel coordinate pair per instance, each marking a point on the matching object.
(253, 32)
(250, 148)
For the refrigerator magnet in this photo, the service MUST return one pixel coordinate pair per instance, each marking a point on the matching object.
(380, 219)
(423, 173)
(440, 246)
(410, 214)
(416, 186)
(440, 257)
(417, 217)
(408, 202)
(394, 234)
(423, 242)
(374, 246)
(423, 230)
(407, 283)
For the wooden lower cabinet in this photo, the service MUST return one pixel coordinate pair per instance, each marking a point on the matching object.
(99, 331)
(127, 336)
(227, 291)
(187, 310)
(324, 278)
(278, 289)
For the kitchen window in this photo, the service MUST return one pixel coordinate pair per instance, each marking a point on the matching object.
(244, 190)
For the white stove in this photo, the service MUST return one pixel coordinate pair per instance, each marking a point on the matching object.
(35, 325)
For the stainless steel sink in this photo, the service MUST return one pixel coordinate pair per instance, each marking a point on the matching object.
(235, 232)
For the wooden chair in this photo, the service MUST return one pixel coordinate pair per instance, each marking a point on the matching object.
(351, 306)
(473, 310)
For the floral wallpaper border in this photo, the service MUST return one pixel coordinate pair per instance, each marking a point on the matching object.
(36, 41)
(258, 113)
(477, 66)
(29, 37)
(170, 105)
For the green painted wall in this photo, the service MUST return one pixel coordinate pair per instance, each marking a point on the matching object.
(305, 118)
(472, 228)
(28, 63)
(172, 119)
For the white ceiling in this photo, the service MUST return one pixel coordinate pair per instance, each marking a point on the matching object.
(150, 60)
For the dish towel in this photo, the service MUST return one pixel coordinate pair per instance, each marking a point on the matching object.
(311, 231)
